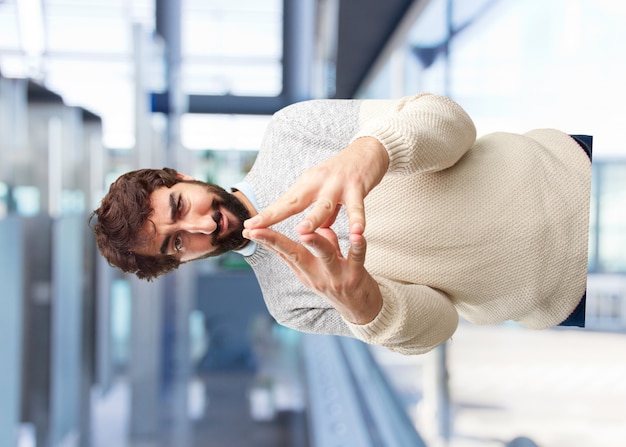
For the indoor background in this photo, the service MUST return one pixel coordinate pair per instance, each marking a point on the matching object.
(92, 88)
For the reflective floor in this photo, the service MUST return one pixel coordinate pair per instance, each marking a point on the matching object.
(222, 420)
(560, 388)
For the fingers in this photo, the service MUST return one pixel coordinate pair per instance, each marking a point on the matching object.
(358, 247)
(276, 242)
(339, 280)
(356, 211)
(325, 201)
(324, 241)
(323, 214)
(326, 246)
(297, 257)
(285, 206)
(295, 200)
(331, 219)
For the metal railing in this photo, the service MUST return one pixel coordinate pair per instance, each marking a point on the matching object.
(350, 401)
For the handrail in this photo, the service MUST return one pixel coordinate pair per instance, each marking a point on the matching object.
(350, 401)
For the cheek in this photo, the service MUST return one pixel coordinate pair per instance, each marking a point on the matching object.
(198, 245)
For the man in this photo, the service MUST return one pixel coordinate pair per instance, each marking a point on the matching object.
(493, 229)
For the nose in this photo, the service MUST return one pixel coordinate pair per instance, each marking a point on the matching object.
(199, 224)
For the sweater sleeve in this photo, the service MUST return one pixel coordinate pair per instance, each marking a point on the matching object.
(414, 319)
(421, 133)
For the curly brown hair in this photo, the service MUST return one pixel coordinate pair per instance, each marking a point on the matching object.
(121, 216)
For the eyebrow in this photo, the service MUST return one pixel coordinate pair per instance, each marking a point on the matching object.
(173, 210)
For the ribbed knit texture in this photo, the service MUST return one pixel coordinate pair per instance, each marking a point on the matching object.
(492, 229)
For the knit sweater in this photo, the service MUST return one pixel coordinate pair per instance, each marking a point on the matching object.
(491, 229)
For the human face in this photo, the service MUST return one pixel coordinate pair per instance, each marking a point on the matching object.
(193, 220)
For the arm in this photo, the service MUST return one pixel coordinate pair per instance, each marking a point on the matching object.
(407, 318)
(414, 319)
(342, 281)
(421, 133)
(415, 134)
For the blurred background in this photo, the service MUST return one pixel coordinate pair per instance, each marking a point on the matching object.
(92, 88)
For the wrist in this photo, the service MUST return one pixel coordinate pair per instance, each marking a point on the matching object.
(369, 306)
(372, 156)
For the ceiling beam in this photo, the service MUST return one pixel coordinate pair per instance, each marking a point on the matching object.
(368, 29)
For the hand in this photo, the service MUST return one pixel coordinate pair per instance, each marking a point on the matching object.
(344, 179)
(343, 282)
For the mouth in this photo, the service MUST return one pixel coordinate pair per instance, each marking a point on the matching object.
(223, 227)
(221, 219)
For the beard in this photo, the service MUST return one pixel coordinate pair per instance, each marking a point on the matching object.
(234, 239)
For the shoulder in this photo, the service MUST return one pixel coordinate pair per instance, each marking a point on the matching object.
(318, 108)
(319, 120)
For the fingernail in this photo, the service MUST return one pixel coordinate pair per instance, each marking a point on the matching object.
(253, 221)
(304, 227)
(357, 228)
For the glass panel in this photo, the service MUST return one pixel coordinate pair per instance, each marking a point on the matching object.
(88, 57)
(232, 47)
(4, 200)
(222, 76)
(518, 66)
(223, 132)
(12, 280)
(27, 200)
(9, 37)
(613, 217)
(66, 341)
(120, 321)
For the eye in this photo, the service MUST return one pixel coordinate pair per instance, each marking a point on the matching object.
(178, 243)
(179, 205)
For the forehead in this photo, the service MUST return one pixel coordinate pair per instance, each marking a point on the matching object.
(160, 201)
(163, 198)
(150, 238)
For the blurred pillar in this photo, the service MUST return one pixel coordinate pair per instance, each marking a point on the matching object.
(178, 295)
(12, 280)
(146, 339)
(69, 374)
(298, 48)
(145, 358)
(159, 361)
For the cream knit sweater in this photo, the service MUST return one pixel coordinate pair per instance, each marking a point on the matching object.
(492, 229)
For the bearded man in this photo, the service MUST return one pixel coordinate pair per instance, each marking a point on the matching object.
(491, 229)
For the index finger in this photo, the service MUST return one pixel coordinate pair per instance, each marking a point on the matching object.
(290, 203)
(295, 255)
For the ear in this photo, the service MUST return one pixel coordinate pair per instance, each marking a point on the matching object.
(184, 177)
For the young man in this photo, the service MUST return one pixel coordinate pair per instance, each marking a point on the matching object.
(493, 229)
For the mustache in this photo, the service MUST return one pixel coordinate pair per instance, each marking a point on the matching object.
(217, 217)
